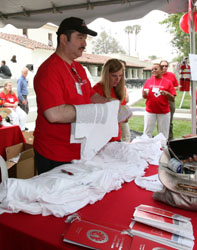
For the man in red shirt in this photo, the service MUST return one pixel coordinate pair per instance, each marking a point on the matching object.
(170, 76)
(59, 84)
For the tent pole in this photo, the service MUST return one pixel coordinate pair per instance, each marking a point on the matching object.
(193, 87)
(193, 51)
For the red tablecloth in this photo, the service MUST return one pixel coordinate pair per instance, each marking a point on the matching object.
(35, 232)
(10, 136)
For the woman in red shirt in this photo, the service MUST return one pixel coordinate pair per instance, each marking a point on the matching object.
(157, 91)
(17, 116)
(112, 84)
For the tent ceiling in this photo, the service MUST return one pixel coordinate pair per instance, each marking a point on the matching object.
(35, 13)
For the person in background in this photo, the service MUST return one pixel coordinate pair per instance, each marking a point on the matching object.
(17, 116)
(5, 72)
(22, 90)
(124, 126)
(112, 84)
(157, 91)
(60, 83)
(170, 76)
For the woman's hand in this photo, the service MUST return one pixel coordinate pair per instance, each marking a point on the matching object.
(166, 93)
(15, 106)
(145, 93)
(125, 121)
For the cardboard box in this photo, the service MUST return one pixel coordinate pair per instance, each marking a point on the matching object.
(24, 168)
(29, 138)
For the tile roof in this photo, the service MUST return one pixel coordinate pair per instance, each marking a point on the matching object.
(24, 41)
(99, 59)
(85, 58)
(92, 58)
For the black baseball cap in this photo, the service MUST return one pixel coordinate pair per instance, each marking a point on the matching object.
(75, 23)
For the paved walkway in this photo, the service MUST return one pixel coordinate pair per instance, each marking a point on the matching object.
(134, 95)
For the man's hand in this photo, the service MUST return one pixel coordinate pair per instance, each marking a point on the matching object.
(24, 102)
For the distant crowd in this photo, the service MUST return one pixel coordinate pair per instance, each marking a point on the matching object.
(16, 103)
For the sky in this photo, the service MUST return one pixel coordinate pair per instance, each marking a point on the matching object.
(153, 38)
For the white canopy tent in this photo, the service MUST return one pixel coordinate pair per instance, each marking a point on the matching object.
(34, 14)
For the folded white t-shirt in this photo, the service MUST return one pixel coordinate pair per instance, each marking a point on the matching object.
(95, 125)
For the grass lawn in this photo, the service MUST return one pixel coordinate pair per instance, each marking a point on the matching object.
(181, 127)
(187, 100)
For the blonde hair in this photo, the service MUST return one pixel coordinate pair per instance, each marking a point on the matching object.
(113, 66)
(5, 90)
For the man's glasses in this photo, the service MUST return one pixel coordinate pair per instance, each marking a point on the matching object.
(164, 66)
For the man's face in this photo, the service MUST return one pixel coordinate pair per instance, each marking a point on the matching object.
(24, 73)
(164, 66)
(77, 44)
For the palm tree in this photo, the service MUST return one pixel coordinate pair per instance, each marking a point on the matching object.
(137, 29)
(129, 30)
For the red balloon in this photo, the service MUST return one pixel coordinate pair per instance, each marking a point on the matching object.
(183, 23)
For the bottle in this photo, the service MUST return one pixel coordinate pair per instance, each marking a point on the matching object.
(175, 165)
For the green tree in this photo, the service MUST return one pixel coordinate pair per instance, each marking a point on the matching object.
(181, 40)
(106, 44)
(153, 57)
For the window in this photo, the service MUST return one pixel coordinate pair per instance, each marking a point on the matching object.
(25, 33)
(138, 73)
(50, 39)
(132, 73)
(30, 67)
(99, 70)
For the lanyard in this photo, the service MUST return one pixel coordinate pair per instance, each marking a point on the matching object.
(75, 73)
(159, 83)
(77, 79)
